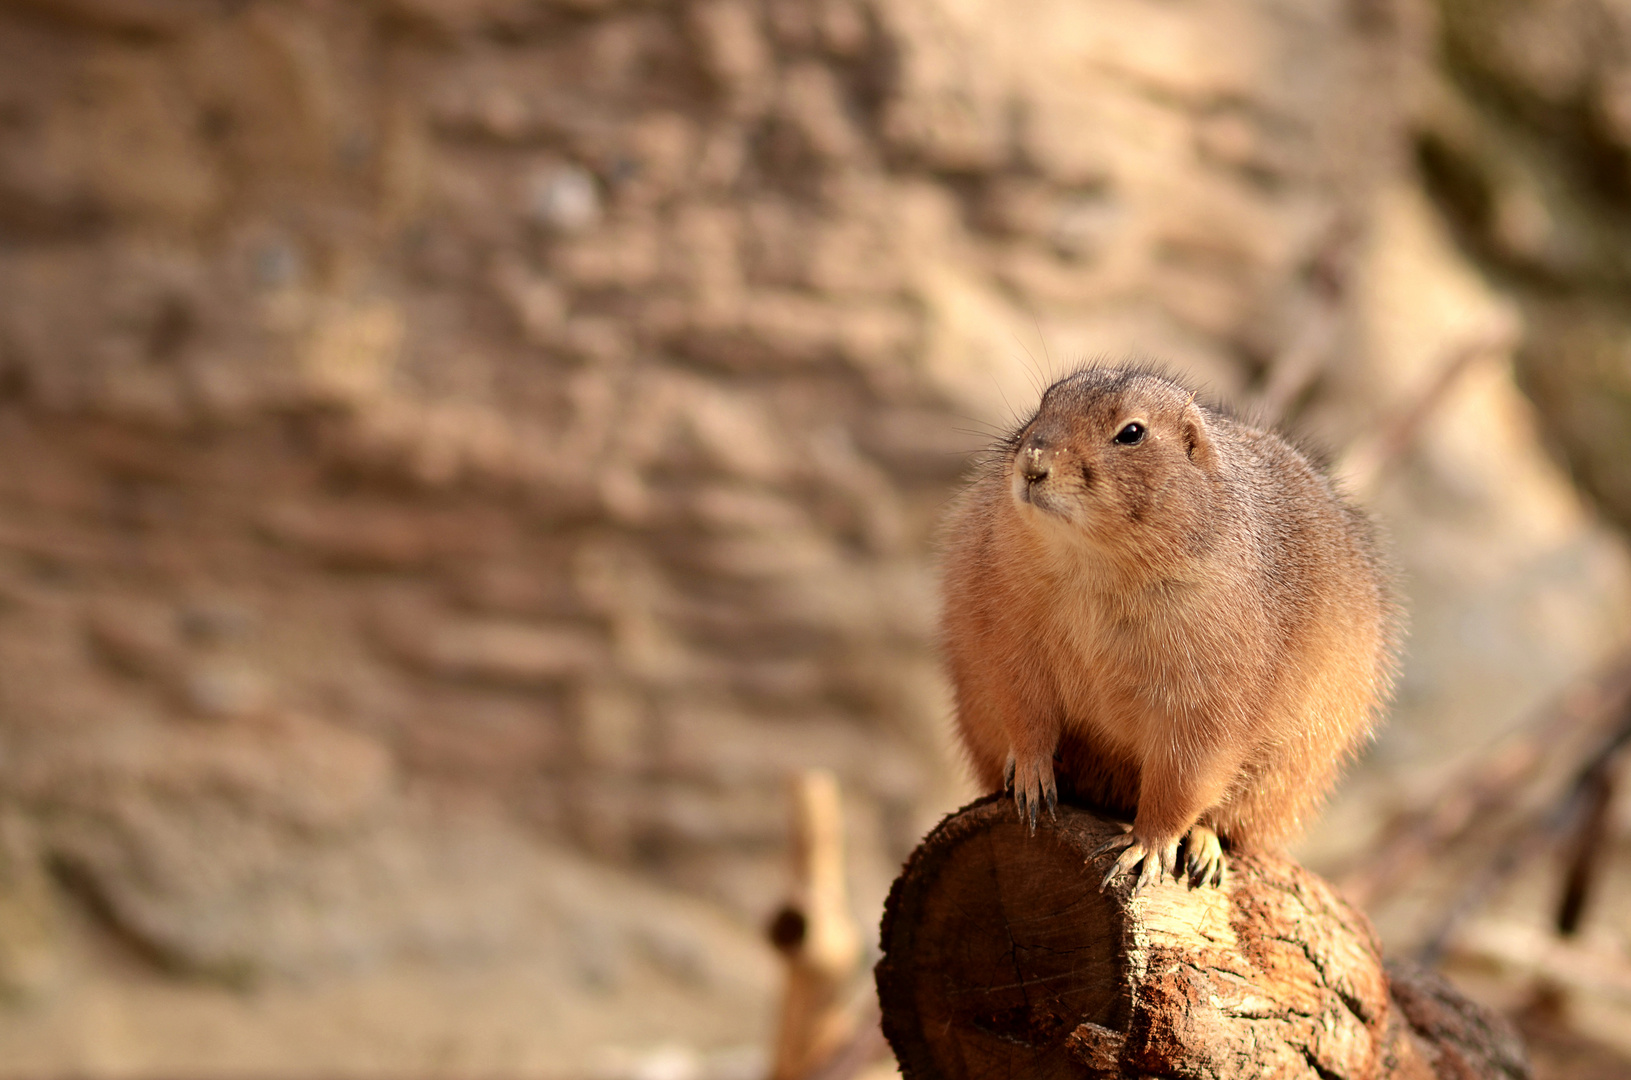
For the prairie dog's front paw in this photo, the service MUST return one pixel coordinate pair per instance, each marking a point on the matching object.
(1203, 857)
(1151, 858)
(1031, 780)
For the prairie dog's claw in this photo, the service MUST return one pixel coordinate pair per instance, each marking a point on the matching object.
(1203, 857)
(1152, 860)
(1115, 843)
(1033, 786)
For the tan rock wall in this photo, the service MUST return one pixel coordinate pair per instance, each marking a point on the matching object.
(454, 449)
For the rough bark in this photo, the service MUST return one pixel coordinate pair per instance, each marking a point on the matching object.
(1002, 957)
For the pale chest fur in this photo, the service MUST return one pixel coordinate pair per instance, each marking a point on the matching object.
(1126, 663)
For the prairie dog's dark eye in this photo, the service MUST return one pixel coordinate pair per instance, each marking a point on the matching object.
(1131, 435)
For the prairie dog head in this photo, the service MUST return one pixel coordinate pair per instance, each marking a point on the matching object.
(1118, 459)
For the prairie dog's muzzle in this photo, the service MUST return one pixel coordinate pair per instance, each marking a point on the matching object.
(1035, 462)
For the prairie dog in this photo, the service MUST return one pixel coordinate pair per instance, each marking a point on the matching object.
(1169, 613)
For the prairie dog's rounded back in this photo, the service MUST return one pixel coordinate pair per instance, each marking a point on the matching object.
(1173, 610)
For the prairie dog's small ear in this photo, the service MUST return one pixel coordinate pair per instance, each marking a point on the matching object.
(1197, 437)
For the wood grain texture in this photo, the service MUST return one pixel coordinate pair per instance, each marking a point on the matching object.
(1003, 958)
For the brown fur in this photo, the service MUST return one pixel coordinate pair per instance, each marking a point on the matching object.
(1192, 630)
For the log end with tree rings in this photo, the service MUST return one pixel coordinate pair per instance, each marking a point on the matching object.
(1002, 957)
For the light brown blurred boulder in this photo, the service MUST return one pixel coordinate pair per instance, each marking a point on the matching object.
(1527, 147)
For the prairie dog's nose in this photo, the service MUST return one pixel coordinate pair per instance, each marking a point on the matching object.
(1035, 461)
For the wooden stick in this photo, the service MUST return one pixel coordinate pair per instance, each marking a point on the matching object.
(1369, 460)
(1532, 839)
(1496, 781)
(865, 1047)
(816, 934)
(1589, 842)
(1298, 366)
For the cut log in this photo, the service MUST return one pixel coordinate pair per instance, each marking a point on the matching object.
(1002, 957)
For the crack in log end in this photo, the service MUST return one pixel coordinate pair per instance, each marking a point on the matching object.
(1025, 1026)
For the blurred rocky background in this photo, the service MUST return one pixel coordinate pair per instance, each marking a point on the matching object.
(457, 457)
